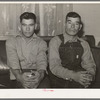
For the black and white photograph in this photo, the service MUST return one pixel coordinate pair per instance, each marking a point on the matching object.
(49, 46)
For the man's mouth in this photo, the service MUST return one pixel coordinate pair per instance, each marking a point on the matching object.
(73, 30)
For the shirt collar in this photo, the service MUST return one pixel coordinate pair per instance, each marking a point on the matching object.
(34, 37)
(68, 39)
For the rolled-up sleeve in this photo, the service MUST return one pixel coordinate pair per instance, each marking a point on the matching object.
(41, 61)
(87, 59)
(12, 57)
(55, 61)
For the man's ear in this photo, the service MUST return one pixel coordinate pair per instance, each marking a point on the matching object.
(80, 27)
(19, 28)
(35, 26)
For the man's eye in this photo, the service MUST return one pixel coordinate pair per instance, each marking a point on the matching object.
(23, 25)
(69, 22)
(32, 25)
(77, 23)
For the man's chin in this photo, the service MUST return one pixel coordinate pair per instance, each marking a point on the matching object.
(72, 34)
(28, 36)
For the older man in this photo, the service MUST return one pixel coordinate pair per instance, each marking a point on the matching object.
(70, 58)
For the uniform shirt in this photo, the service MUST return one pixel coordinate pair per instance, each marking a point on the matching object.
(22, 55)
(55, 61)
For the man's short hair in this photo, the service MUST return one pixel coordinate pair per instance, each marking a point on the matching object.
(74, 15)
(28, 15)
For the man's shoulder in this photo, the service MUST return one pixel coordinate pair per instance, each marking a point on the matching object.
(11, 39)
(55, 42)
(55, 39)
(84, 42)
(40, 40)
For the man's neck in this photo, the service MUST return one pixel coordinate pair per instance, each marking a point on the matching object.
(27, 39)
(69, 37)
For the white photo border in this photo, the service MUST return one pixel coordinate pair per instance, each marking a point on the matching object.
(50, 93)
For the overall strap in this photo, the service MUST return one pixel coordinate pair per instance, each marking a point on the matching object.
(61, 37)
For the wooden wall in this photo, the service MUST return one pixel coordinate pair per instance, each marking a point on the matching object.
(90, 13)
(50, 17)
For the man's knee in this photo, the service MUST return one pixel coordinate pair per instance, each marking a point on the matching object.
(45, 83)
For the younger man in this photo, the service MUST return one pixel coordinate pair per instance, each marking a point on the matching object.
(26, 55)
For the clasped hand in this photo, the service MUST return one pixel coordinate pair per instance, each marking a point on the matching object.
(83, 77)
(30, 79)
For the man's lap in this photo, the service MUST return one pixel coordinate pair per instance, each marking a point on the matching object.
(44, 83)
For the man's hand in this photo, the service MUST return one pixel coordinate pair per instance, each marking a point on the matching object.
(37, 77)
(24, 79)
(83, 77)
(30, 79)
(34, 78)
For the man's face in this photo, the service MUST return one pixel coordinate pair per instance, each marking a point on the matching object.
(72, 26)
(27, 27)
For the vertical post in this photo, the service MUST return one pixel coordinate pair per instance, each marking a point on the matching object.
(41, 19)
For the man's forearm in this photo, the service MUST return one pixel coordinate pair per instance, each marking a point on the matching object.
(16, 73)
(42, 74)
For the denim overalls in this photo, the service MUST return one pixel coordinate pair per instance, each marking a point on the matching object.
(70, 54)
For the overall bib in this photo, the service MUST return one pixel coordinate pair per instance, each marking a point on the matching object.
(70, 54)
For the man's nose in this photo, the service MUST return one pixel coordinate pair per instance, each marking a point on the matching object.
(73, 25)
(27, 28)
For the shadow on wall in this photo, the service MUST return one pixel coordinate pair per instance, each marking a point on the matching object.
(90, 39)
